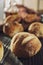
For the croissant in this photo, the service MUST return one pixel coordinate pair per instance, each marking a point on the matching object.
(25, 45)
(1, 51)
(37, 29)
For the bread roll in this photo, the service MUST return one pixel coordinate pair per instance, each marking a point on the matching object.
(25, 45)
(12, 28)
(1, 51)
(37, 29)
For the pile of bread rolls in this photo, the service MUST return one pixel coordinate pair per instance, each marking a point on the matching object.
(24, 28)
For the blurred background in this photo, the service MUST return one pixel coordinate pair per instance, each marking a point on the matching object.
(37, 5)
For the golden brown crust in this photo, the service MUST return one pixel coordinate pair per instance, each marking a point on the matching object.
(25, 14)
(36, 28)
(1, 51)
(12, 25)
(25, 45)
(12, 28)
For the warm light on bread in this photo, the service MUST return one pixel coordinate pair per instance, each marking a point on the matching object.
(12, 25)
(36, 28)
(25, 45)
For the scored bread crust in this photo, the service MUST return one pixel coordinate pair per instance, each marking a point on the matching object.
(14, 37)
(29, 46)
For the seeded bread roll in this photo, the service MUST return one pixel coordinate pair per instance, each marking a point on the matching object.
(37, 29)
(1, 51)
(25, 45)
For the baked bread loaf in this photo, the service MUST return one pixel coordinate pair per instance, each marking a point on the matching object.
(25, 45)
(37, 29)
(1, 51)
(12, 28)
(12, 25)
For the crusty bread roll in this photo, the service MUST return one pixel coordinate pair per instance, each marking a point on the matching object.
(1, 51)
(36, 28)
(12, 25)
(12, 28)
(25, 45)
